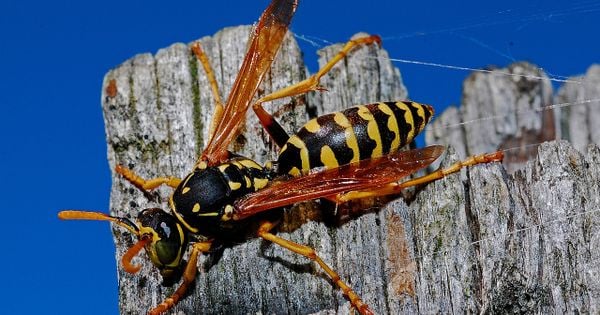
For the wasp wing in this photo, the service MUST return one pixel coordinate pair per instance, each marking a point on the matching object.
(362, 175)
(264, 42)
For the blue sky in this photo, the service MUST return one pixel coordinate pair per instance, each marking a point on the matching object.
(53, 56)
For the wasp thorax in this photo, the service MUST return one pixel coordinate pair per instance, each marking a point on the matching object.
(168, 239)
(202, 202)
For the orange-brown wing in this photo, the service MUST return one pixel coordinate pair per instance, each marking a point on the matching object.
(362, 175)
(264, 43)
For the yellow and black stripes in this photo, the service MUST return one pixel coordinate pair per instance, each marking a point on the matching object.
(203, 201)
(204, 197)
(351, 135)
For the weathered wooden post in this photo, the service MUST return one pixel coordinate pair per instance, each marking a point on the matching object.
(487, 242)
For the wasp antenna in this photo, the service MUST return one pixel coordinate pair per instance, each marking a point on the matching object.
(132, 252)
(98, 216)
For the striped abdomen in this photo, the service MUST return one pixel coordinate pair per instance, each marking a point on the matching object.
(351, 135)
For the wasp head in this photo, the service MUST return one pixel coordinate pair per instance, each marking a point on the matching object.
(165, 242)
(158, 232)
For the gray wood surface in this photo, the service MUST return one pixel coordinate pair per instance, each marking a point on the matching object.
(580, 123)
(485, 241)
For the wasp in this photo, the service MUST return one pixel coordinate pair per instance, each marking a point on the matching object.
(342, 156)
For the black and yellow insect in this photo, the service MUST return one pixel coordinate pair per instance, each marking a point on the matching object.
(340, 156)
(355, 134)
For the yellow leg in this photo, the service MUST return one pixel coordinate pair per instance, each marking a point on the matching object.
(277, 133)
(189, 275)
(310, 253)
(146, 184)
(312, 83)
(210, 74)
(394, 188)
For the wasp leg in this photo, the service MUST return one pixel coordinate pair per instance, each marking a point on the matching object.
(263, 232)
(312, 83)
(146, 184)
(394, 188)
(189, 275)
(273, 128)
(276, 132)
(210, 74)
